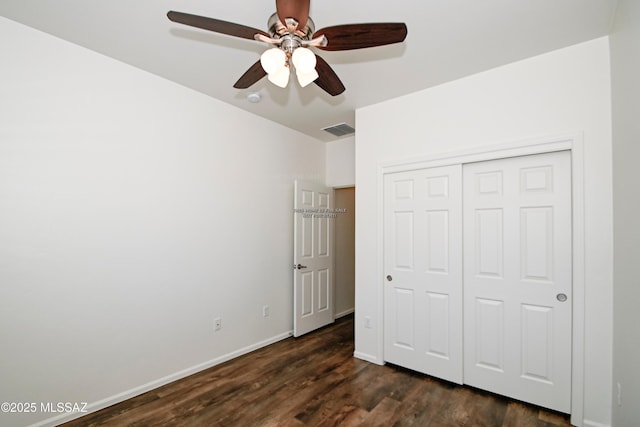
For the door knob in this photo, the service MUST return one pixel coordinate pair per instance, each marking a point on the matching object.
(299, 266)
(561, 297)
(389, 278)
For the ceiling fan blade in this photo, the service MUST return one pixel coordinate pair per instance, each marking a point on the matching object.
(296, 9)
(358, 36)
(215, 25)
(328, 80)
(251, 76)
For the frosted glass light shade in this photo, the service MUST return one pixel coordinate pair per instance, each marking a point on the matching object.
(272, 60)
(306, 78)
(304, 60)
(280, 77)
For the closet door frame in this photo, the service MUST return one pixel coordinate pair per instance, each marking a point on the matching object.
(571, 142)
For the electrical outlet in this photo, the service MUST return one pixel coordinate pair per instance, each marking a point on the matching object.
(217, 323)
(265, 311)
(367, 322)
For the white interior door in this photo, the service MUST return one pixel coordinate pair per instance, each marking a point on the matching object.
(423, 269)
(313, 257)
(517, 278)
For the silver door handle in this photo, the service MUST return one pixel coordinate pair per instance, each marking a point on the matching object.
(299, 266)
(561, 297)
(389, 278)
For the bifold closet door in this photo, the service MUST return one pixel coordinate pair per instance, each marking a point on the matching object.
(517, 278)
(423, 271)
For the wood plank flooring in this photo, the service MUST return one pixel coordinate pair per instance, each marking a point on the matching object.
(314, 380)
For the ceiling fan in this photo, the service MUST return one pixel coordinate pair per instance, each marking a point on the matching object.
(291, 33)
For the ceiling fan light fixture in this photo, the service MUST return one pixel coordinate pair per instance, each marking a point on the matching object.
(292, 30)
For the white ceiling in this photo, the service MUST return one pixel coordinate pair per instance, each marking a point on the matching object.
(447, 39)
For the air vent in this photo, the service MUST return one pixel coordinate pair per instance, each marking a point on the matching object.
(340, 130)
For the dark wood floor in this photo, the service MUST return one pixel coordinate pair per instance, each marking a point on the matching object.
(315, 381)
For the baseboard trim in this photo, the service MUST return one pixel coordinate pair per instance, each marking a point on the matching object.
(589, 423)
(367, 357)
(120, 397)
(344, 313)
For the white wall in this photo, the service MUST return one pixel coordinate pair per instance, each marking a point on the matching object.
(625, 69)
(132, 212)
(557, 93)
(340, 162)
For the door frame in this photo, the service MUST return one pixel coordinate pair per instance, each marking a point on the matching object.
(567, 142)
